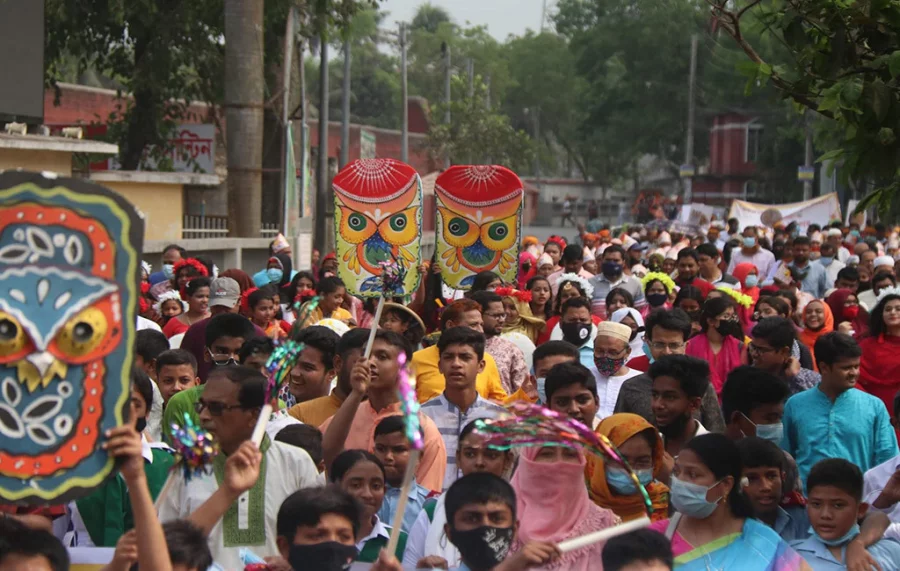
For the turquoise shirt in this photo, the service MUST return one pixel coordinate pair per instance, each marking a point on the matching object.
(856, 427)
(886, 552)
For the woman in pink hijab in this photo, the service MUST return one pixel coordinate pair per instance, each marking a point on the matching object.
(553, 505)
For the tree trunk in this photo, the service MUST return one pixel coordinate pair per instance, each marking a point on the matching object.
(244, 83)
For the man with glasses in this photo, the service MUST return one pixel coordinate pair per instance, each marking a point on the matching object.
(666, 333)
(771, 350)
(611, 350)
(225, 333)
(509, 358)
(228, 407)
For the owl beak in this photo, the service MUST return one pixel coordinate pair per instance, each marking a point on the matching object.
(39, 369)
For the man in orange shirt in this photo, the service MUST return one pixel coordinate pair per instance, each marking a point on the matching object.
(353, 426)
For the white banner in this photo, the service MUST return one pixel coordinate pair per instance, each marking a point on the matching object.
(821, 210)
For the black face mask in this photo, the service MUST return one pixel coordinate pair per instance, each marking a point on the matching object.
(141, 424)
(732, 328)
(328, 556)
(483, 547)
(656, 299)
(575, 333)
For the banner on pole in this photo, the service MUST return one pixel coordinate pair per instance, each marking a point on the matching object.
(821, 210)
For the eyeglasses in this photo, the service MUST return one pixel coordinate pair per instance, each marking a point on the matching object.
(497, 316)
(222, 359)
(757, 349)
(215, 408)
(670, 346)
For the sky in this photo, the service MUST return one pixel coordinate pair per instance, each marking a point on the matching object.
(502, 17)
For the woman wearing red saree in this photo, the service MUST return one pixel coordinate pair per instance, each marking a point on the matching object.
(879, 371)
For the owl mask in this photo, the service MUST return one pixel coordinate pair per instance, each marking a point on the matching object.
(479, 219)
(69, 289)
(378, 218)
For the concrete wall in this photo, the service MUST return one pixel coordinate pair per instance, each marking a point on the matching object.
(161, 204)
(32, 160)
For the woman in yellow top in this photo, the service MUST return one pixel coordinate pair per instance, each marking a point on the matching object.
(331, 292)
(612, 488)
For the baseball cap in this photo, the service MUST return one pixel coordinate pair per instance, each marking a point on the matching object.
(224, 291)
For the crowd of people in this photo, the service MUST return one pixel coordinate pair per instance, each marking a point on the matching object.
(749, 376)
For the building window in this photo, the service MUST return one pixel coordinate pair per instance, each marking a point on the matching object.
(754, 136)
(751, 188)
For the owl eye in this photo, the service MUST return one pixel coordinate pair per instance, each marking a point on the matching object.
(83, 333)
(498, 231)
(356, 222)
(13, 339)
(458, 226)
(398, 222)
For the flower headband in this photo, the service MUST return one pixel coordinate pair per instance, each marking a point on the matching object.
(893, 290)
(245, 300)
(558, 241)
(192, 262)
(585, 285)
(742, 299)
(171, 295)
(658, 276)
(518, 295)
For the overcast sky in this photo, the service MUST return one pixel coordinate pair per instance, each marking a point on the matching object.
(502, 17)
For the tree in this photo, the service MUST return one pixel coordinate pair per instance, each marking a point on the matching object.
(163, 52)
(429, 18)
(844, 65)
(544, 80)
(476, 134)
(635, 101)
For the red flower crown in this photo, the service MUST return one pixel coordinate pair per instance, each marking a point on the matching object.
(192, 262)
(520, 295)
(245, 300)
(558, 241)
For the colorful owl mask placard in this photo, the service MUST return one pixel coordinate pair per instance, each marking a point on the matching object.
(378, 218)
(479, 219)
(69, 274)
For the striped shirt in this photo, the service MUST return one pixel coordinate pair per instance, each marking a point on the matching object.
(450, 421)
(602, 287)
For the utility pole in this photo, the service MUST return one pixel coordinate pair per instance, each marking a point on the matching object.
(345, 108)
(537, 144)
(287, 178)
(404, 95)
(304, 127)
(323, 192)
(445, 47)
(808, 162)
(543, 15)
(689, 145)
(244, 83)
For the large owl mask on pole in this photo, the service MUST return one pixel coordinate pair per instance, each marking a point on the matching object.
(479, 219)
(69, 285)
(377, 218)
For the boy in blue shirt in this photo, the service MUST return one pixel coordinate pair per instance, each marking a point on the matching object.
(835, 507)
(392, 448)
(832, 420)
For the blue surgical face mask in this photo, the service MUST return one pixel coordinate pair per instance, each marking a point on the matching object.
(168, 271)
(621, 483)
(771, 432)
(752, 280)
(542, 389)
(647, 352)
(690, 499)
(854, 233)
(826, 260)
(851, 533)
(749, 241)
(274, 275)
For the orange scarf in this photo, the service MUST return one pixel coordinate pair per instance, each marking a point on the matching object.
(619, 428)
(809, 337)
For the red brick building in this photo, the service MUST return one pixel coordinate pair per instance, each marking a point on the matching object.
(734, 141)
